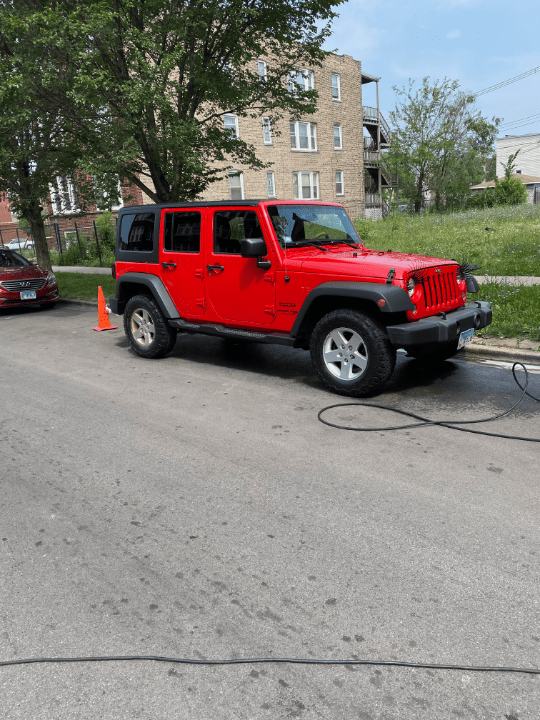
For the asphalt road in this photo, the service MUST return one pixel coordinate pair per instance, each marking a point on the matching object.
(195, 507)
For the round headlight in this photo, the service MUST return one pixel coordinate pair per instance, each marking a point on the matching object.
(410, 286)
(460, 275)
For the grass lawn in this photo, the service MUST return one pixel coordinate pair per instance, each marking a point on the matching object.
(516, 310)
(510, 245)
(77, 286)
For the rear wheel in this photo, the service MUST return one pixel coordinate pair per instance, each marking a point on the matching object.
(352, 353)
(147, 329)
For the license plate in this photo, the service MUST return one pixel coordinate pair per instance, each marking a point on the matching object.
(28, 294)
(465, 338)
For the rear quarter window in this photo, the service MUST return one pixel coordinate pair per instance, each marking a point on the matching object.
(137, 232)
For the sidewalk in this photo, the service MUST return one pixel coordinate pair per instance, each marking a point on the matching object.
(81, 269)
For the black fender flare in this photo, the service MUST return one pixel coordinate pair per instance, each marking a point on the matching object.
(156, 287)
(395, 299)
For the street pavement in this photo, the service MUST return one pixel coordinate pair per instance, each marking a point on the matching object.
(195, 507)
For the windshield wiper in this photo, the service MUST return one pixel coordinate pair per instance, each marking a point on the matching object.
(315, 243)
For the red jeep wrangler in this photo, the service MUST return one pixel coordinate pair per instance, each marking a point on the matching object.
(294, 273)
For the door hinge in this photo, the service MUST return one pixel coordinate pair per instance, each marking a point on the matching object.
(199, 273)
(269, 277)
(201, 302)
(271, 309)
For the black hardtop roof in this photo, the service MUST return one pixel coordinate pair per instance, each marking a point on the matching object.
(221, 203)
(196, 203)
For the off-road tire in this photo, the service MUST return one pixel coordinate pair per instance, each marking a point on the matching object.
(370, 358)
(157, 337)
(439, 355)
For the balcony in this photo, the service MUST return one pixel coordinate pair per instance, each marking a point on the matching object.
(373, 118)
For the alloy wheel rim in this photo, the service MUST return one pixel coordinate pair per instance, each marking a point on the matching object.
(142, 327)
(345, 354)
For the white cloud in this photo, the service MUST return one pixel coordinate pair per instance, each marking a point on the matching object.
(453, 34)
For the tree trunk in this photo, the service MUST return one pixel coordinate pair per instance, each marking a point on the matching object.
(32, 215)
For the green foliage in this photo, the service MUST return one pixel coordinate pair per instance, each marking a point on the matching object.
(440, 143)
(106, 230)
(509, 191)
(148, 83)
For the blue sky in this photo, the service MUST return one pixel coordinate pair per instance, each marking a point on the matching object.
(477, 42)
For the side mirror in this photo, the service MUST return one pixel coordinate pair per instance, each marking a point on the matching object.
(255, 247)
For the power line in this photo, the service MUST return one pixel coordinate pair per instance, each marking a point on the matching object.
(520, 122)
(507, 82)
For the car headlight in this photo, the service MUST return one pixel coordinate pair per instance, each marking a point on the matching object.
(460, 275)
(411, 286)
(51, 279)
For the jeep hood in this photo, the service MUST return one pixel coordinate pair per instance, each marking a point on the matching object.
(374, 264)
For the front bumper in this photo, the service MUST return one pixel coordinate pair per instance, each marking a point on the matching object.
(432, 332)
(44, 296)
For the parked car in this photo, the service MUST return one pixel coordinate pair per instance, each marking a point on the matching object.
(289, 272)
(22, 282)
(20, 244)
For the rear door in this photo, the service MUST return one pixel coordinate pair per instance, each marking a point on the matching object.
(237, 290)
(180, 256)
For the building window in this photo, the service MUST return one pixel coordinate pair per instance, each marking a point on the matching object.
(305, 185)
(270, 184)
(300, 80)
(64, 198)
(102, 197)
(339, 182)
(261, 69)
(231, 124)
(338, 139)
(236, 186)
(336, 87)
(267, 131)
(303, 136)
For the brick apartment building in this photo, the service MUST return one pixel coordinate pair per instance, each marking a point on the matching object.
(323, 156)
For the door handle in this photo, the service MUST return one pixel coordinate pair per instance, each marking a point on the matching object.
(215, 267)
(168, 264)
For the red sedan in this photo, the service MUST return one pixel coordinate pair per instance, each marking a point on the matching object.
(22, 282)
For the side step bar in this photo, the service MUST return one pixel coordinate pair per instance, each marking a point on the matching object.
(222, 331)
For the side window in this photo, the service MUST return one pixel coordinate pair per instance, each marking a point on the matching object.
(137, 232)
(182, 232)
(232, 226)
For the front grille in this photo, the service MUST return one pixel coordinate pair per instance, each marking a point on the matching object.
(16, 285)
(441, 289)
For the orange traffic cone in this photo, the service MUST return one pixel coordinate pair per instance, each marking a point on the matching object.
(103, 314)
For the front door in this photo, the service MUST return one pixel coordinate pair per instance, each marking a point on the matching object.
(182, 268)
(237, 290)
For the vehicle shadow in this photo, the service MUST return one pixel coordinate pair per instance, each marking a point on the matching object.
(294, 364)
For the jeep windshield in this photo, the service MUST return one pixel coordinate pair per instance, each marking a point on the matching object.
(301, 225)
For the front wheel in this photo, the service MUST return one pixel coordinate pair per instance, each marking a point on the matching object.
(147, 329)
(352, 353)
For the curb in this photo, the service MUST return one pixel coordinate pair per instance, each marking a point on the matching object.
(507, 354)
(69, 301)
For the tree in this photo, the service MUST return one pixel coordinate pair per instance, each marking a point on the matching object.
(36, 145)
(510, 190)
(440, 143)
(151, 81)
